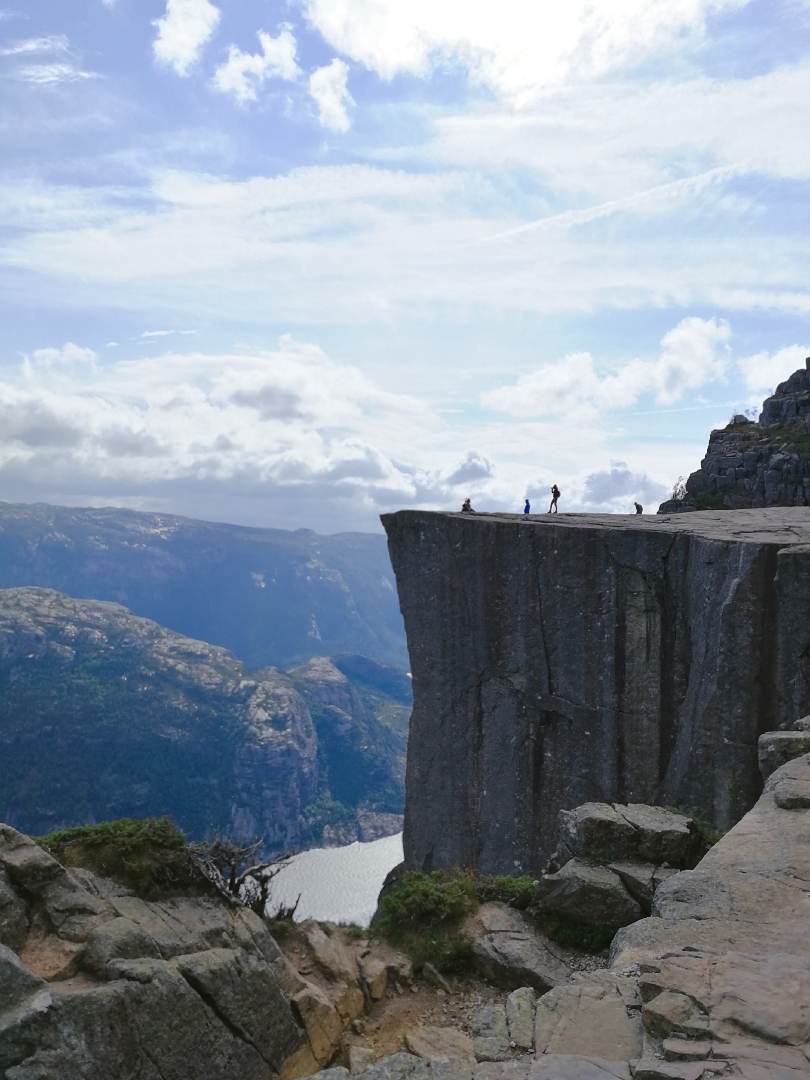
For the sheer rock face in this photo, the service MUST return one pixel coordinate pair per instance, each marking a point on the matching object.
(592, 658)
(763, 463)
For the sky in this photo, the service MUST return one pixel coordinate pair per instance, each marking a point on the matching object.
(296, 263)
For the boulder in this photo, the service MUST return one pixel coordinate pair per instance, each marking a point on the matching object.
(592, 895)
(596, 831)
(331, 955)
(509, 951)
(776, 748)
(520, 1017)
(597, 1014)
(440, 1044)
(661, 835)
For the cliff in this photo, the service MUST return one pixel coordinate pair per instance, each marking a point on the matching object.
(577, 658)
(104, 714)
(762, 463)
(269, 596)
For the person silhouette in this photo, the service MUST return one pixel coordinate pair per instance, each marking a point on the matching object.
(467, 507)
(527, 508)
(555, 494)
(639, 508)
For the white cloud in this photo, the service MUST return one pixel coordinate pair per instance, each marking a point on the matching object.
(474, 468)
(764, 371)
(513, 47)
(183, 31)
(68, 356)
(691, 356)
(616, 489)
(327, 86)
(52, 43)
(243, 74)
(51, 74)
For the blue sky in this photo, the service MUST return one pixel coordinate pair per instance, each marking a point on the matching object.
(295, 264)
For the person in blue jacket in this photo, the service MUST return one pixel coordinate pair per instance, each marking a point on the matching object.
(527, 508)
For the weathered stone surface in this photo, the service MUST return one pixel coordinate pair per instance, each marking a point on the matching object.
(14, 923)
(375, 972)
(650, 1068)
(520, 1017)
(638, 879)
(776, 748)
(440, 1044)
(331, 955)
(360, 1059)
(598, 1014)
(118, 938)
(597, 830)
(687, 645)
(398, 1067)
(510, 960)
(244, 995)
(576, 1067)
(592, 895)
(434, 977)
(321, 1020)
(490, 1034)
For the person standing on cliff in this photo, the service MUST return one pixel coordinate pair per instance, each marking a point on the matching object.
(527, 508)
(555, 494)
(639, 508)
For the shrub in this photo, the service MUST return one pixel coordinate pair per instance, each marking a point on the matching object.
(518, 892)
(148, 854)
(423, 914)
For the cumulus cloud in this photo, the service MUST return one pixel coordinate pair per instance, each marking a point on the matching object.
(692, 355)
(290, 418)
(764, 371)
(513, 48)
(183, 31)
(243, 73)
(327, 86)
(475, 467)
(616, 489)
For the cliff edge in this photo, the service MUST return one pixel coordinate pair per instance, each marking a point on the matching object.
(575, 658)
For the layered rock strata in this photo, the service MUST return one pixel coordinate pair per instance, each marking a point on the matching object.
(592, 658)
(756, 463)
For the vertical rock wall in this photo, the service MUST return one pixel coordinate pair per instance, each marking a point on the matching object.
(585, 657)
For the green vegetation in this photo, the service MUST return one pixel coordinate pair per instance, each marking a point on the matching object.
(148, 854)
(423, 916)
(424, 912)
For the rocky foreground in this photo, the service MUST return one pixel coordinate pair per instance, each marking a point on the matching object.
(97, 982)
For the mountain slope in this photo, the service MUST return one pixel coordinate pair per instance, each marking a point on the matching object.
(104, 714)
(270, 596)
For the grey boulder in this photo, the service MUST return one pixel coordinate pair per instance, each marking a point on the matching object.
(592, 895)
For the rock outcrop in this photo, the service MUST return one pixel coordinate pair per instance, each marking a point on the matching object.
(756, 463)
(104, 714)
(97, 982)
(587, 658)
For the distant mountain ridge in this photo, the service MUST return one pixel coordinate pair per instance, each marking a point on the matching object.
(105, 714)
(269, 596)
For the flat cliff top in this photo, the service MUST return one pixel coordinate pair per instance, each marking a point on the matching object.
(768, 525)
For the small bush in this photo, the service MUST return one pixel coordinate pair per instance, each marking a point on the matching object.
(148, 854)
(518, 892)
(423, 914)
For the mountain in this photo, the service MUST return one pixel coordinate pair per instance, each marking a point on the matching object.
(106, 714)
(755, 463)
(269, 596)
